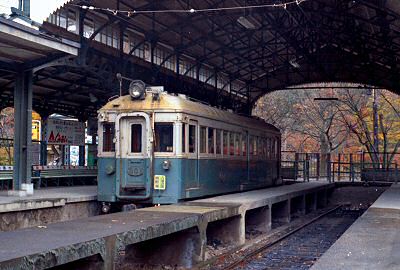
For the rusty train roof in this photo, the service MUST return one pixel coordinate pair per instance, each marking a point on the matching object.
(178, 103)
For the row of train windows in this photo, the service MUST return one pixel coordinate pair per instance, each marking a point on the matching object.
(223, 142)
(163, 138)
(212, 141)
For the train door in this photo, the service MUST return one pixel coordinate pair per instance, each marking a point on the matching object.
(193, 160)
(134, 166)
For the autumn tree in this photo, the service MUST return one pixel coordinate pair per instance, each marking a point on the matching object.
(304, 120)
(357, 113)
(336, 120)
(6, 136)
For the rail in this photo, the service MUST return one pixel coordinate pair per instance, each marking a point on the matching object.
(248, 256)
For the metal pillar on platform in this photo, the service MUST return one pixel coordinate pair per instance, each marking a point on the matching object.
(82, 155)
(43, 142)
(82, 148)
(23, 129)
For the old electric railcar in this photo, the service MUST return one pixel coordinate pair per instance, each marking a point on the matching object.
(162, 149)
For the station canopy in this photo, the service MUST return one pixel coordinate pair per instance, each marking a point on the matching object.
(245, 51)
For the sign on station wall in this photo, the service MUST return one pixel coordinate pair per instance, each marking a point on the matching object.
(63, 132)
(36, 130)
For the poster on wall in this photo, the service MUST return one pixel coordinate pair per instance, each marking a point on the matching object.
(65, 132)
(35, 130)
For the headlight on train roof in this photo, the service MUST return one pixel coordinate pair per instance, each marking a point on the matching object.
(137, 89)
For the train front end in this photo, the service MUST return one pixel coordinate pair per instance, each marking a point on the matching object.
(124, 154)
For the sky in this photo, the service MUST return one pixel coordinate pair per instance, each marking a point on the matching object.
(40, 9)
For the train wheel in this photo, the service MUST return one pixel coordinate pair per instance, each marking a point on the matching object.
(105, 208)
(129, 207)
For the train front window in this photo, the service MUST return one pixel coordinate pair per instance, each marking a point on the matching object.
(108, 137)
(164, 137)
(192, 138)
(136, 138)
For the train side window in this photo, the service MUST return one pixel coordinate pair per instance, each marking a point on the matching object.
(265, 148)
(237, 144)
(255, 146)
(203, 139)
(183, 138)
(192, 138)
(218, 141)
(251, 146)
(108, 137)
(225, 144)
(164, 141)
(211, 141)
(136, 138)
(231, 143)
(273, 148)
(244, 144)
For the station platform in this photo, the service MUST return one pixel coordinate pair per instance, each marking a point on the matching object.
(170, 234)
(47, 205)
(52, 195)
(372, 242)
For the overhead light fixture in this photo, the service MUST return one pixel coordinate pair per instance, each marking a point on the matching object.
(93, 98)
(294, 63)
(248, 22)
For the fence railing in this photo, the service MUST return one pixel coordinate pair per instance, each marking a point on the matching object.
(43, 176)
(341, 167)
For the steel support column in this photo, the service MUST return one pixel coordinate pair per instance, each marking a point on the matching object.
(22, 129)
(82, 155)
(43, 142)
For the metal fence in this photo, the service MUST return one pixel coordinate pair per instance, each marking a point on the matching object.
(362, 166)
(304, 166)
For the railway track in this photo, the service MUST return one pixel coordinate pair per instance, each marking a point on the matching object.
(295, 247)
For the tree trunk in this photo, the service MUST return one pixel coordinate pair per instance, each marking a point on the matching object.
(325, 152)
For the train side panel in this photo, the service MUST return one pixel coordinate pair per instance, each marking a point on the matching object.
(106, 180)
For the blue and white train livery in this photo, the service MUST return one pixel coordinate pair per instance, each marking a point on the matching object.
(159, 148)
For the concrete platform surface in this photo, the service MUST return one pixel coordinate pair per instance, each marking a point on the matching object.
(55, 244)
(256, 198)
(372, 242)
(47, 197)
(62, 242)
